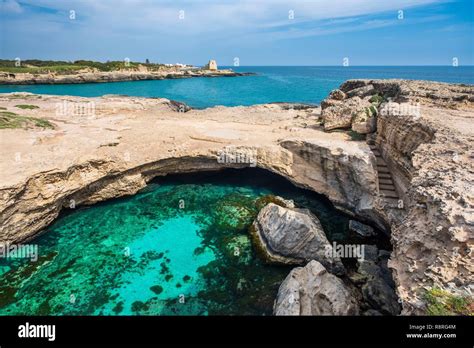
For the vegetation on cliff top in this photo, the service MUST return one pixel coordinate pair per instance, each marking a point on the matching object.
(11, 120)
(27, 106)
(65, 67)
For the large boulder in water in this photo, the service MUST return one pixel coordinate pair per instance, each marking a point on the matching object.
(293, 236)
(312, 290)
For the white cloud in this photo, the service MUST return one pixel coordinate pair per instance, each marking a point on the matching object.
(207, 16)
(125, 26)
(10, 6)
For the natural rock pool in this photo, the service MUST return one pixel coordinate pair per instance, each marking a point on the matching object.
(179, 247)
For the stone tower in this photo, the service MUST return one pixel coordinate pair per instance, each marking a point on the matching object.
(212, 65)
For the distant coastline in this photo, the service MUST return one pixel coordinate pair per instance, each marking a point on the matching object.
(33, 72)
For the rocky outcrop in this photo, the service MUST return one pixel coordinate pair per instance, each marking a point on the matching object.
(339, 113)
(110, 76)
(293, 236)
(311, 290)
(424, 92)
(424, 134)
(345, 173)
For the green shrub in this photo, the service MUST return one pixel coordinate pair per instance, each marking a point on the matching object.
(12, 120)
(377, 99)
(441, 302)
(35, 66)
(27, 106)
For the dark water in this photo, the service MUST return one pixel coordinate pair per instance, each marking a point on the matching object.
(179, 247)
(271, 84)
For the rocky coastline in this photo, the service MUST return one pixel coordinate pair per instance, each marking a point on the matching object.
(417, 134)
(89, 76)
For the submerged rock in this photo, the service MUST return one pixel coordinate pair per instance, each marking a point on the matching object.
(240, 248)
(312, 290)
(293, 236)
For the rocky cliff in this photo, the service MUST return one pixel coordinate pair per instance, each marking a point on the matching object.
(424, 131)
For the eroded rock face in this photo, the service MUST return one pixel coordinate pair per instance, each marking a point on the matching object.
(312, 290)
(433, 166)
(424, 133)
(293, 236)
(364, 122)
(333, 170)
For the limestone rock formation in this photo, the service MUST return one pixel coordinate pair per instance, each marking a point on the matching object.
(340, 113)
(364, 121)
(345, 172)
(293, 236)
(311, 290)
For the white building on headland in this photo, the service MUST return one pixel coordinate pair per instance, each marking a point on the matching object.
(177, 65)
(212, 65)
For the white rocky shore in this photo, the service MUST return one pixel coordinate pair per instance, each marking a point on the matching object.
(101, 148)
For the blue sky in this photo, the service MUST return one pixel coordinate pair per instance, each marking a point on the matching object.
(257, 32)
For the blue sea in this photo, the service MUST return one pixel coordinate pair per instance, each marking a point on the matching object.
(305, 84)
(181, 246)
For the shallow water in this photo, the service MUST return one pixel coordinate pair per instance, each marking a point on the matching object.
(302, 84)
(180, 246)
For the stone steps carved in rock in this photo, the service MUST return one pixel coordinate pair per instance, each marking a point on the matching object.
(386, 186)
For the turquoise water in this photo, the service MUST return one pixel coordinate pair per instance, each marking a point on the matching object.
(271, 84)
(179, 247)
